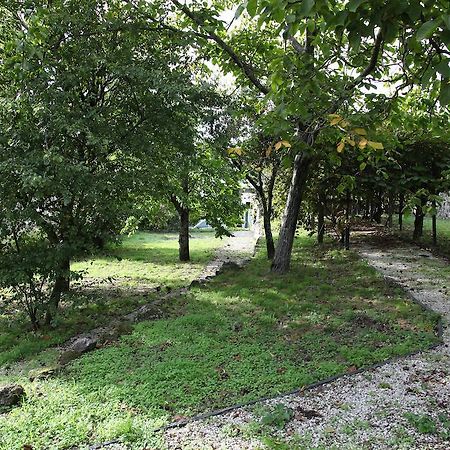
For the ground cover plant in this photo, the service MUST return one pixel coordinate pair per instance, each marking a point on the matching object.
(148, 258)
(245, 335)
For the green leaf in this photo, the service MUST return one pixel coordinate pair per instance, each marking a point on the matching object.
(353, 5)
(307, 6)
(445, 37)
(427, 29)
(240, 9)
(354, 39)
(414, 10)
(252, 6)
(362, 166)
(446, 19)
(444, 68)
(444, 96)
(390, 31)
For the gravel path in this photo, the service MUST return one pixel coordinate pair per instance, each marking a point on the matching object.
(237, 250)
(401, 405)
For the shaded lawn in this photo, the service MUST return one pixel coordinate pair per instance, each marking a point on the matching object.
(443, 233)
(245, 335)
(152, 257)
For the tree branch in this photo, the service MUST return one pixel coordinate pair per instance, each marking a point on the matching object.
(247, 69)
(372, 63)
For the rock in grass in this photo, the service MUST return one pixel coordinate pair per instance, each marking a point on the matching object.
(83, 344)
(42, 374)
(77, 348)
(67, 356)
(11, 395)
(228, 266)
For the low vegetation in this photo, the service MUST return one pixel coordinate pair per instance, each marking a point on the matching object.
(245, 335)
(149, 259)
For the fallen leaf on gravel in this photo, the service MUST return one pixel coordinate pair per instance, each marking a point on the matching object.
(179, 418)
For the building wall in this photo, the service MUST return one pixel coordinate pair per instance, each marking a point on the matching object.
(444, 210)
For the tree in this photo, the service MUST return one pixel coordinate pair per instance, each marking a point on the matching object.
(260, 161)
(88, 93)
(329, 52)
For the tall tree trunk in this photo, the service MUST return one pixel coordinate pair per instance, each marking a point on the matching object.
(66, 274)
(55, 299)
(401, 205)
(347, 222)
(378, 213)
(265, 195)
(183, 213)
(390, 211)
(283, 251)
(62, 284)
(183, 239)
(418, 223)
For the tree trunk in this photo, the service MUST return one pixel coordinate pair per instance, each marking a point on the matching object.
(184, 235)
(378, 212)
(390, 211)
(55, 298)
(283, 251)
(401, 205)
(347, 222)
(418, 223)
(66, 275)
(320, 218)
(434, 224)
(270, 246)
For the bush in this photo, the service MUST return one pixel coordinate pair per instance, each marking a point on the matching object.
(29, 274)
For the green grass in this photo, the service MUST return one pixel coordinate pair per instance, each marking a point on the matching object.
(150, 258)
(245, 335)
(443, 233)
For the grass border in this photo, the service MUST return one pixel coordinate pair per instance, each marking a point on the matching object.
(388, 280)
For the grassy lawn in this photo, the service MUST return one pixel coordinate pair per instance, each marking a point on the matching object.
(443, 233)
(149, 258)
(245, 335)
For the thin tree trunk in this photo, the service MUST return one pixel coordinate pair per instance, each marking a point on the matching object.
(270, 246)
(321, 217)
(378, 208)
(266, 201)
(347, 222)
(283, 251)
(66, 276)
(418, 223)
(401, 205)
(434, 224)
(184, 235)
(55, 298)
(389, 220)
